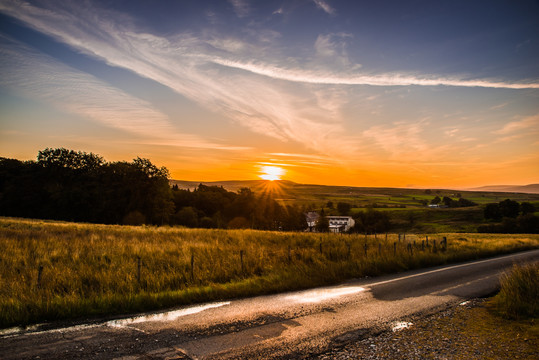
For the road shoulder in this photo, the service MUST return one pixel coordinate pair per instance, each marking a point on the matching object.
(469, 330)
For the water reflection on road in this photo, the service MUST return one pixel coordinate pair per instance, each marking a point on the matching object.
(166, 316)
(319, 295)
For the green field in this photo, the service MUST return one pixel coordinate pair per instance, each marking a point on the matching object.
(56, 270)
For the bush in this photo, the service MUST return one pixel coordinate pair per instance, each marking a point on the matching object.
(519, 294)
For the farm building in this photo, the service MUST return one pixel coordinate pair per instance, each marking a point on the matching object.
(336, 223)
(340, 223)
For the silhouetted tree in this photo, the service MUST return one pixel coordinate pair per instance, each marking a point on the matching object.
(343, 208)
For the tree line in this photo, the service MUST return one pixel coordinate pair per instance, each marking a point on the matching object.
(510, 217)
(82, 187)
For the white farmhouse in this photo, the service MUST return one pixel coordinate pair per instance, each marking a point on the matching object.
(340, 223)
(336, 223)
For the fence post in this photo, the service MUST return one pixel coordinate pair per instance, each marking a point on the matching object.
(39, 274)
(320, 247)
(434, 246)
(348, 246)
(394, 248)
(241, 260)
(399, 237)
(445, 244)
(289, 254)
(422, 245)
(192, 267)
(139, 266)
(379, 249)
(365, 248)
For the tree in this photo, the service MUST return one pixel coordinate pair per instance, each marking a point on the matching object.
(509, 208)
(343, 208)
(322, 225)
(447, 201)
(492, 211)
(527, 208)
(187, 216)
(436, 200)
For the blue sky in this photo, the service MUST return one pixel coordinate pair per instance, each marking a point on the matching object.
(386, 93)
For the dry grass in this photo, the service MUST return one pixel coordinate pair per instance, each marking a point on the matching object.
(56, 270)
(519, 294)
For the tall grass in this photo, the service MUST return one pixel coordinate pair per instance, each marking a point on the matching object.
(519, 293)
(56, 270)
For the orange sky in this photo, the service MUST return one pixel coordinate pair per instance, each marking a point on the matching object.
(341, 93)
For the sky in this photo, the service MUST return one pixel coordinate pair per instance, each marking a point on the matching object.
(425, 94)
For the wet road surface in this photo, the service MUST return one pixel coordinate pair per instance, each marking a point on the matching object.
(288, 325)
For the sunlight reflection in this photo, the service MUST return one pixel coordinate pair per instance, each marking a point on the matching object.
(167, 316)
(314, 296)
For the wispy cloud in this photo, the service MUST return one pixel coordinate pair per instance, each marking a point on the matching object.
(241, 7)
(317, 77)
(324, 6)
(530, 124)
(218, 72)
(40, 77)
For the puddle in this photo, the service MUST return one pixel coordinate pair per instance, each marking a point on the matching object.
(315, 296)
(166, 316)
(401, 325)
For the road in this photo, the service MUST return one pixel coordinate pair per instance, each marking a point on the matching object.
(289, 325)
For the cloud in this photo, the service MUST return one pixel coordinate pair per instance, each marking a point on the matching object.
(324, 6)
(241, 7)
(218, 72)
(40, 77)
(397, 79)
(530, 124)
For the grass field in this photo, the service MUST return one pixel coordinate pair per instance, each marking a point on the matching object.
(55, 270)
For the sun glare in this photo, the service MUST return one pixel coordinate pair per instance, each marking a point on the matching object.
(271, 173)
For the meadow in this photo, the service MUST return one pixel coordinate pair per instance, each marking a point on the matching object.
(58, 270)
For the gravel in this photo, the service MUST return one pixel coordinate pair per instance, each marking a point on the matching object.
(466, 331)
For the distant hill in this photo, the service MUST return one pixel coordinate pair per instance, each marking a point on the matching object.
(527, 189)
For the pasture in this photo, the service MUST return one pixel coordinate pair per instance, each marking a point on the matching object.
(57, 270)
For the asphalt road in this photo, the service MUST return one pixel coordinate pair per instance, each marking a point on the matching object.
(289, 325)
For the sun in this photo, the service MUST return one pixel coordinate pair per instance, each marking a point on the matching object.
(271, 173)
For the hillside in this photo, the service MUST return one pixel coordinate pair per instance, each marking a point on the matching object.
(319, 195)
(529, 189)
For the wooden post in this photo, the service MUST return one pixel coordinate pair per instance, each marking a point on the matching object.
(422, 245)
(434, 246)
(241, 260)
(139, 266)
(39, 274)
(320, 247)
(399, 237)
(365, 248)
(348, 245)
(386, 236)
(289, 254)
(192, 267)
(379, 249)
(395, 248)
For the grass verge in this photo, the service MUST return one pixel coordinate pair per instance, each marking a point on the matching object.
(519, 293)
(56, 270)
